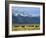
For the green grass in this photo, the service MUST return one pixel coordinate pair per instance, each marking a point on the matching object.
(23, 27)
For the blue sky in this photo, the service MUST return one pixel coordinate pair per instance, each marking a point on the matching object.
(29, 11)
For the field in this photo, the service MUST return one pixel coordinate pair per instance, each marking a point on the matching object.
(24, 27)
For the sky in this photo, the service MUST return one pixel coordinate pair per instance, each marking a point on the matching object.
(26, 11)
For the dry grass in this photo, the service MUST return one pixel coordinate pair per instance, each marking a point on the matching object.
(22, 27)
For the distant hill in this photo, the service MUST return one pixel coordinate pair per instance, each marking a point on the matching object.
(25, 20)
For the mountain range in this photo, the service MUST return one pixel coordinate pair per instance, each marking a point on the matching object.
(25, 19)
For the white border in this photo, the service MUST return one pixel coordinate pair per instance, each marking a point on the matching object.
(25, 32)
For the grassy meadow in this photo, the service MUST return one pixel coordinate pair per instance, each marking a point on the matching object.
(24, 27)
